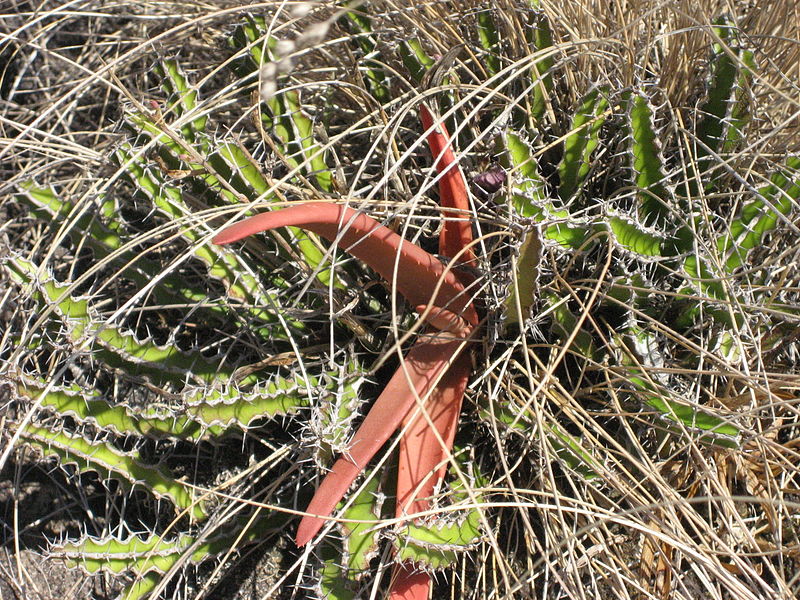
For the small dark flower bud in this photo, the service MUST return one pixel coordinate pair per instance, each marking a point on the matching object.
(487, 183)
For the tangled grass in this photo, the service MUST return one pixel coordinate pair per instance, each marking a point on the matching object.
(630, 429)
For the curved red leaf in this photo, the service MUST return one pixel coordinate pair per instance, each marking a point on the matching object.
(422, 463)
(409, 583)
(417, 275)
(457, 230)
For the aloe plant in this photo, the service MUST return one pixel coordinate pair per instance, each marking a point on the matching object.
(444, 303)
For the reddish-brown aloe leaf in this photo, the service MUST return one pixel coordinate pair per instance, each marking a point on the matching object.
(417, 275)
(420, 448)
(422, 464)
(422, 456)
(457, 231)
(424, 364)
(409, 583)
(429, 432)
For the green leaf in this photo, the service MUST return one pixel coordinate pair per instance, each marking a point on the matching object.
(740, 114)
(183, 98)
(720, 90)
(334, 417)
(564, 325)
(570, 450)
(360, 27)
(652, 196)
(140, 587)
(581, 143)
(243, 164)
(90, 406)
(761, 215)
(203, 411)
(155, 554)
(335, 582)
(313, 154)
(524, 163)
(527, 276)
(346, 563)
(490, 41)
(283, 113)
(530, 198)
(86, 330)
(532, 193)
(702, 277)
(360, 539)
(110, 463)
(540, 37)
(108, 242)
(635, 239)
(306, 243)
(505, 413)
(260, 397)
(250, 40)
(444, 537)
(692, 417)
(726, 109)
(436, 545)
(222, 264)
(415, 58)
(138, 554)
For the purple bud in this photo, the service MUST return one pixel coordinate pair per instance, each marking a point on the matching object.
(488, 182)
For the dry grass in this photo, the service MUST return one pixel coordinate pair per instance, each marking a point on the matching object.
(665, 516)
